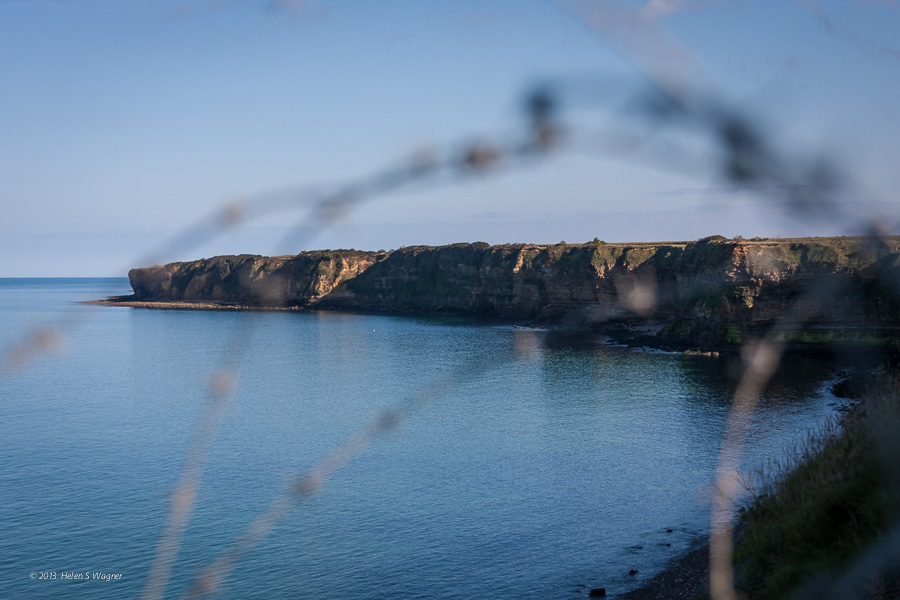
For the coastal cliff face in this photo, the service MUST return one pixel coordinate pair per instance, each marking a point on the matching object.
(709, 293)
(251, 280)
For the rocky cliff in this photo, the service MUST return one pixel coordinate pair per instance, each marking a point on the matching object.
(708, 293)
(249, 280)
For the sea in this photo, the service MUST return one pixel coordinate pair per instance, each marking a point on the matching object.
(517, 463)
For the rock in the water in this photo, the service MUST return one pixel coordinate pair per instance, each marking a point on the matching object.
(597, 593)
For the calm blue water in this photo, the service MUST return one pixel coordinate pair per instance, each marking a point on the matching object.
(541, 468)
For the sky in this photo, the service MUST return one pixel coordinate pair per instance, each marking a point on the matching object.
(125, 124)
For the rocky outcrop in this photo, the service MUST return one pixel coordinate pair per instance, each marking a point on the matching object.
(249, 280)
(709, 293)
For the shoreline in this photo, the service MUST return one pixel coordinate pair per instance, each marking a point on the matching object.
(176, 305)
(685, 577)
(617, 333)
(616, 336)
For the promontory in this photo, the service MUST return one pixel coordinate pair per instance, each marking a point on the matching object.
(707, 294)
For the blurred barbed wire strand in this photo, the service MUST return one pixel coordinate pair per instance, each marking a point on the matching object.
(807, 186)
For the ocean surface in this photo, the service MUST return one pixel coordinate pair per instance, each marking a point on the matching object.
(527, 467)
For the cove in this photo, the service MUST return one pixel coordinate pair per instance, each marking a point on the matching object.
(537, 468)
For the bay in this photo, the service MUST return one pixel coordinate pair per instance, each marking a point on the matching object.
(529, 466)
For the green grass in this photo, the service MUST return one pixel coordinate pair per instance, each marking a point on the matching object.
(829, 508)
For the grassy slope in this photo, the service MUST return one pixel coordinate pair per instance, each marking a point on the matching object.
(830, 508)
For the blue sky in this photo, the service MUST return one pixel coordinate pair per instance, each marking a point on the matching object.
(122, 123)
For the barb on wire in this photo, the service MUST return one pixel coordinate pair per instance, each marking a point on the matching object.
(38, 341)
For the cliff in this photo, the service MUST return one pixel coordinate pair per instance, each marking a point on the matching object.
(249, 280)
(710, 293)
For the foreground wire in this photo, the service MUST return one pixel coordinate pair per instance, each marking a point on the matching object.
(542, 133)
(307, 484)
(184, 497)
(674, 97)
(761, 361)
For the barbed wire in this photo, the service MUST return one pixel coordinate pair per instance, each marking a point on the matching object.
(672, 100)
(309, 483)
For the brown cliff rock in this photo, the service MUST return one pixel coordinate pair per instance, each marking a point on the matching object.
(710, 293)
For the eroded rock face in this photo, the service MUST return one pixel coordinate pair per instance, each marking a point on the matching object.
(712, 292)
(251, 280)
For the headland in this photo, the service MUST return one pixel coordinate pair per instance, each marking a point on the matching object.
(712, 294)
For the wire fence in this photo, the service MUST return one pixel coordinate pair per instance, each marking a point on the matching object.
(673, 108)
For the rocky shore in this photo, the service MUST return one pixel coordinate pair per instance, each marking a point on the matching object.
(126, 301)
(685, 578)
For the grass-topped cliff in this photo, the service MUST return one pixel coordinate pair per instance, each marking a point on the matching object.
(711, 293)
